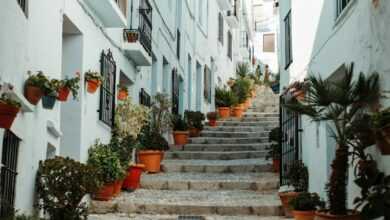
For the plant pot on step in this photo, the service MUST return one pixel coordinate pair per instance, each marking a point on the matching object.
(212, 123)
(194, 132)
(8, 114)
(93, 85)
(324, 215)
(151, 159)
(238, 111)
(303, 215)
(48, 101)
(117, 187)
(276, 165)
(63, 94)
(224, 112)
(133, 178)
(285, 198)
(180, 137)
(105, 193)
(33, 94)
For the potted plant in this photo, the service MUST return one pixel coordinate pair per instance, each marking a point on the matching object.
(9, 109)
(224, 99)
(298, 177)
(93, 80)
(212, 118)
(123, 93)
(381, 124)
(152, 143)
(305, 205)
(108, 165)
(180, 130)
(33, 89)
(241, 89)
(132, 36)
(69, 85)
(50, 88)
(195, 122)
(61, 185)
(274, 149)
(341, 102)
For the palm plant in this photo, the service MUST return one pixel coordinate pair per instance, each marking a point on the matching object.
(341, 102)
(242, 70)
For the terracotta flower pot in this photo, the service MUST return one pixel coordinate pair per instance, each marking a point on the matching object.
(276, 165)
(321, 215)
(286, 197)
(132, 37)
(181, 137)
(63, 94)
(299, 95)
(133, 178)
(383, 145)
(238, 111)
(151, 159)
(48, 102)
(303, 215)
(117, 187)
(213, 123)
(93, 85)
(8, 114)
(105, 193)
(194, 132)
(224, 112)
(33, 94)
(122, 95)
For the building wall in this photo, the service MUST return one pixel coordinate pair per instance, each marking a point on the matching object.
(64, 37)
(321, 44)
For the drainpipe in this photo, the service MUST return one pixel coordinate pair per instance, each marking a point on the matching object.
(131, 14)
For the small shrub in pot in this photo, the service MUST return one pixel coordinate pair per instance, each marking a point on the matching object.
(195, 122)
(305, 205)
(180, 130)
(212, 118)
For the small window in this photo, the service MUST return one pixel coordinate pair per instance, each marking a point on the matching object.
(107, 92)
(207, 84)
(269, 43)
(178, 44)
(220, 28)
(244, 39)
(144, 98)
(23, 5)
(230, 45)
(288, 41)
(341, 5)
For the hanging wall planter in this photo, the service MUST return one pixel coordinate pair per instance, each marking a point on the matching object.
(123, 94)
(8, 112)
(132, 36)
(48, 102)
(63, 94)
(33, 94)
(92, 86)
(93, 80)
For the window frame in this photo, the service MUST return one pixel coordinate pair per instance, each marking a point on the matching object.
(108, 89)
(273, 46)
(23, 4)
(220, 28)
(288, 41)
(230, 45)
(340, 8)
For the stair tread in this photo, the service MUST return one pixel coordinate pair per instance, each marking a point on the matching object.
(122, 216)
(237, 162)
(213, 177)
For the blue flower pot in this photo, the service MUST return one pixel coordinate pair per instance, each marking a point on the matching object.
(48, 102)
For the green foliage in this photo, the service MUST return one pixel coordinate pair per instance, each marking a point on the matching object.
(381, 119)
(194, 119)
(123, 147)
(91, 75)
(151, 139)
(37, 80)
(61, 185)
(15, 216)
(274, 149)
(340, 101)
(306, 202)
(212, 115)
(104, 158)
(225, 98)
(179, 124)
(50, 87)
(73, 84)
(161, 118)
(298, 176)
(241, 89)
(242, 70)
(6, 99)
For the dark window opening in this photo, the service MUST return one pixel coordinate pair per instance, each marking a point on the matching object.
(220, 28)
(178, 44)
(175, 92)
(144, 98)
(341, 5)
(107, 91)
(207, 84)
(288, 41)
(230, 46)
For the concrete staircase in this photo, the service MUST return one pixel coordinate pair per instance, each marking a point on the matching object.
(221, 175)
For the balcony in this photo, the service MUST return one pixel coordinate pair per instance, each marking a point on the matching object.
(112, 13)
(138, 46)
(224, 5)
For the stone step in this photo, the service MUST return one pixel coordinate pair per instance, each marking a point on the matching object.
(226, 147)
(211, 182)
(248, 123)
(214, 155)
(264, 109)
(226, 140)
(259, 114)
(217, 166)
(239, 129)
(167, 202)
(254, 119)
(233, 134)
(121, 216)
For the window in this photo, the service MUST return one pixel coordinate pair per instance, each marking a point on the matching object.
(230, 45)
(23, 5)
(144, 98)
(207, 84)
(122, 4)
(341, 5)
(9, 163)
(288, 46)
(244, 39)
(175, 92)
(220, 28)
(178, 44)
(107, 91)
(269, 42)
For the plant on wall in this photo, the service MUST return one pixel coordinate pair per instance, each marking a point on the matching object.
(340, 102)
(69, 85)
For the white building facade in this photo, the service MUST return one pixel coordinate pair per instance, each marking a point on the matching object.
(320, 37)
(184, 48)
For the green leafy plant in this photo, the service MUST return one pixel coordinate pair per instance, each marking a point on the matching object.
(212, 116)
(15, 216)
(160, 117)
(91, 75)
(106, 161)
(73, 84)
(242, 70)
(381, 119)
(123, 89)
(274, 149)
(340, 101)
(225, 98)
(37, 80)
(179, 124)
(6, 99)
(298, 176)
(51, 87)
(194, 118)
(151, 139)
(61, 185)
(306, 202)
(123, 146)
(241, 89)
